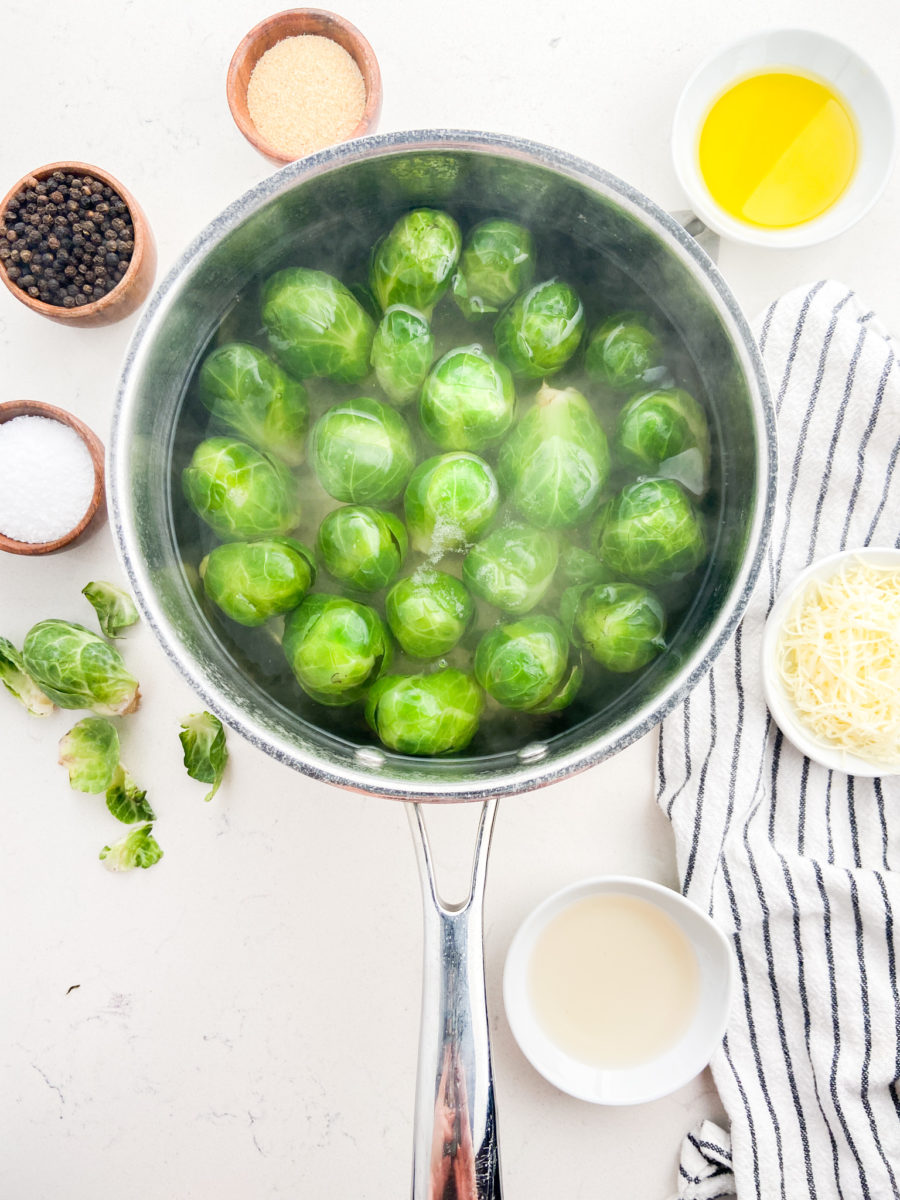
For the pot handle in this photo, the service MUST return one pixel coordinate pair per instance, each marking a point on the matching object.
(455, 1150)
(707, 239)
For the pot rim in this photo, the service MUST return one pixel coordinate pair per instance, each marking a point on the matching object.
(534, 770)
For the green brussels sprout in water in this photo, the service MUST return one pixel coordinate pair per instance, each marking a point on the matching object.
(402, 353)
(540, 331)
(239, 492)
(577, 566)
(468, 401)
(362, 547)
(665, 433)
(253, 581)
(555, 463)
(78, 669)
(652, 533)
(525, 665)
(316, 326)
(512, 567)
(449, 501)
(247, 391)
(428, 613)
(496, 264)
(425, 714)
(414, 263)
(620, 624)
(336, 648)
(362, 451)
(622, 351)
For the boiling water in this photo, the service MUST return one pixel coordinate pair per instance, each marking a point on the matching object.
(613, 981)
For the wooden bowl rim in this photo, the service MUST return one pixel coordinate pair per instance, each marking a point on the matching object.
(141, 238)
(294, 21)
(37, 408)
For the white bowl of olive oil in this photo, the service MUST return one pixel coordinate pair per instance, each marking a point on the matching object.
(618, 989)
(783, 139)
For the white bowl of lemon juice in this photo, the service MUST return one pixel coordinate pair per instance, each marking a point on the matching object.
(785, 138)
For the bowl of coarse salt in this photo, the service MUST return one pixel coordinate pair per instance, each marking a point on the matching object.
(51, 477)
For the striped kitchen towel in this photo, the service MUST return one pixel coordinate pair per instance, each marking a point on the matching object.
(799, 863)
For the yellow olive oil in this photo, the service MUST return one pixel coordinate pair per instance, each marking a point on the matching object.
(778, 149)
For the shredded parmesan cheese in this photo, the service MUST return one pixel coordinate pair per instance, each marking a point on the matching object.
(838, 657)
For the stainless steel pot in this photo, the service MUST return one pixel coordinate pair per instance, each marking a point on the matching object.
(347, 196)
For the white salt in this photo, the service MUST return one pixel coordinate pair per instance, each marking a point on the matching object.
(46, 479)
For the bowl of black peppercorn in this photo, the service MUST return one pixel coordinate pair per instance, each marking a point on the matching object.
(75, 245)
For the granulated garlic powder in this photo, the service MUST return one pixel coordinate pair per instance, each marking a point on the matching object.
(305, 93)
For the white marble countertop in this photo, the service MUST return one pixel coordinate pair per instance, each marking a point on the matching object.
(241, 1021)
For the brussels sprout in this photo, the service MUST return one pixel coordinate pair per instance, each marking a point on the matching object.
(202, 739)
(252, 581)
(78, 669)
(402, 353)
(114, 608)
(620, 624)
(512, 567)
(239, 492)
(539, 332)
(497, 262)
(362, 451)
(653, 534)
(425, 714)
(90, 753)
(126, 801)
(247, 391)
(139, 848)
(621, 351)
(555, 463)
(336, 648)
(665, 433)
(468, 401)
(316, 326)
(525, 665)
(362, 547)
(428, 612)
(414, 263)
(449, 501)
(19, 683)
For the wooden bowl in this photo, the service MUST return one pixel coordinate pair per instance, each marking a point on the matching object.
(96, 507)
(294, 23)
(134, 286)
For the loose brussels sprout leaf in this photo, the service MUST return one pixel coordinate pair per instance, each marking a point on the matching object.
(126, 801)
(316, 326)
(19, 683)
(78, 669)
(523, 665)
(449, 501)
(620, 624)
(253, 581)
(239, 492)
(114, 608)
(247, 391)
(402, 353)
(138, 848)
(205, 752)
(425, 714)
(652, 533)
(577, 565)
(555, 463)
(428, 613)
(540, 331)
(336, 648)
(362, 451)
(468, 401)
(362, 547)
(512, 567)
(496, 264)
(90, 753)
(664, 432)
(414, 263)
(621, 351)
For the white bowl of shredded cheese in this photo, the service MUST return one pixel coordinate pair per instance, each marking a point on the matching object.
(831, 661)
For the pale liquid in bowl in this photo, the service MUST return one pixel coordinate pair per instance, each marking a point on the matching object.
(613, 980)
